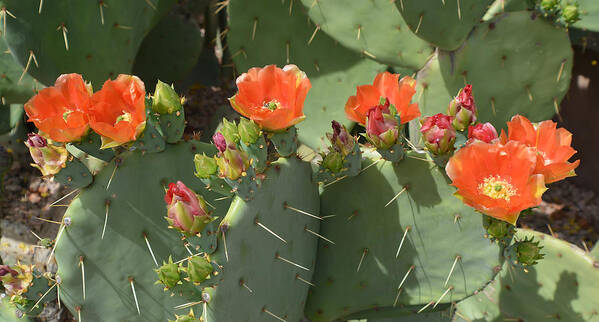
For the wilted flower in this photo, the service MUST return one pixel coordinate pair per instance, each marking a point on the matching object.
(341, 140)
(272, 97)
(497, 179)
(118, 111)
(60, 111)
(463, 109)
(186, 211)
(16, 279)
(438, 133)
(48, 158)
(389, 87)
(553, 146)
(482, 131)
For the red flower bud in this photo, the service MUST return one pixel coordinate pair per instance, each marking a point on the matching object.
(219, 142)
(463, 109)
(485, 132)
(186, 211)
(438, 133)
(382, 128)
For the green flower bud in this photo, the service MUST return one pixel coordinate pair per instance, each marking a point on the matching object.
(529, 252)
(186, 318)
(549, 5)
(570, 14)
(497, 229)
(249, 131)
(229, 131)
(168, 273)
(198, 269)
(232, 163)
(333, 161)
(165, 100)
(205, 166)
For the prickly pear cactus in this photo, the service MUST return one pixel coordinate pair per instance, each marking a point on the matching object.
(267, 248)
(15, 86)
(108, 273)
(373, 28)
(512, 71)
(561, 286)
(399, 238)
(446, 24)
(266, 32)
(51, 38)
(589, 17)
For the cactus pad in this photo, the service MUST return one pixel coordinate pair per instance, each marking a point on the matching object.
(589, 16)
(15, 87)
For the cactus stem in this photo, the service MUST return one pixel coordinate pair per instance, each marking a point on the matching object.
(493, 106)
(225, 244)
(318, 235)
(396, 196)
(134, 294)
(364, 252)
(242, 283)
(287, 49)
(277, 256)
(459, 10)
(457, 258)
(425, 307)
(397, 297)
(105, 218)
(31, 57)
(64, 35)
(270, 231)
(186, 305)
(39, 11)
(272, 314)
(112, 175)
(529, 93)
(298, 277)
(368, 54)
(442, 296)
(63, 197)
(359, 30)
(82, 275)
(419, 24)
(556, 106)
(55, 243)
(402, 240)
(254, 28)
(286, 206)
(313, 34)
(561, 70)
(150, 249)
(102, 5)
(151, 5)
(42, 297)
(78, 309)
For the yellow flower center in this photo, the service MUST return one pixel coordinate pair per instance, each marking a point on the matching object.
(497, 188)
(272, 105)
(124, 117)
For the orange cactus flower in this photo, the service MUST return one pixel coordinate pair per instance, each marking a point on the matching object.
(387, 85)
(497, 179)
(553, 146)
(272, 97)
(118, 111)
(60, 111)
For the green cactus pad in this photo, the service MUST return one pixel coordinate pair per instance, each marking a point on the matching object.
(363, 270)
(256, 277)
(511, 71)
(446, 24)
(441, 313)
(375, 29)
(333, 70)
(75, 175)
(13, 88)
(285, 142)
(151, 139)
(589, 15)
(170, 51)
(561, 286)
(95, 50)
(41, 290)
(91, 144)
(172, 125)
(257, 152)
(135, 207)
(595, 253)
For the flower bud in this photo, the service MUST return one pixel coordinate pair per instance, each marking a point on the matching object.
(49, 159)
(340, 139)
(438, 133)
(168, 273)
(570, 14)
(333, 161)
(230, 132)
(219, 141)
(549, 5)
(205, 166)
(382, 128)
(186, 318)
(463, 109)
(482, 131)
(198, 269)
(528, 252)
(17, 279)
(186, 211)
(232, 163)
(165, 99)
(249, 131)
